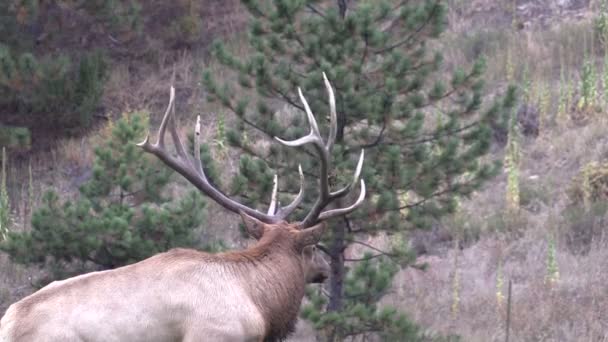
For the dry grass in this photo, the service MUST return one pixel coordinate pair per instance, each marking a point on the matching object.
(574, 309)
(14, 283)
(126, 91)
(571, 310)
(532, 53)
(76, 152)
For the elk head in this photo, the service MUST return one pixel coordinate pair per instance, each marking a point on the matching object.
(316, 268)
(302, 235)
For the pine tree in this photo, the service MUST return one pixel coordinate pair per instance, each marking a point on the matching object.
(423, 130)
(39, 87)
(120, 217)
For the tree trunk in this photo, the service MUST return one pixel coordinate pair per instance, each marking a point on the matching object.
(336, 280)
(342, 6)
(338, 243)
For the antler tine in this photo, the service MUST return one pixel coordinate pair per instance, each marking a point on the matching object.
(272, 208)
(146, 145)
(342, 192)
(283, 212)
(333, 116)
(166, 118)
(343, 211)
(197, 146)
(179, 147)
(314, 136)
(287, 210)
(345, 190)
(310, 138)
(191, 167)
(314, 128)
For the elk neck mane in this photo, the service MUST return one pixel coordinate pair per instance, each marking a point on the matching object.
(272, 274)
(275, 279)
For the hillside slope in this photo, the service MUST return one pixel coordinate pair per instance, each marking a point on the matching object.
(471, 256)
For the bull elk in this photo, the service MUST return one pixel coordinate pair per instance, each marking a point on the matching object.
(187, 295)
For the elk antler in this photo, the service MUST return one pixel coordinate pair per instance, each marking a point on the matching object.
(324, 151)
(285, 211)
(192, 169)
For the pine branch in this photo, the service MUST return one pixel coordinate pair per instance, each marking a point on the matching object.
(421, 202)
(382, 253)
(300, 42)
(413, 34)
(315, 10)
(362, 61)
(364, 259)
(431, 137)
(374, 143)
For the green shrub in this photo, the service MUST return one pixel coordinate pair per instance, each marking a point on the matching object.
(590, 185)
(15, 137)
(187, 29)
(583, 225)
(53, 87)
(482, 43)
(589, 80)
(585, 217)
(119, 16)
(600, 23)
(533, 193)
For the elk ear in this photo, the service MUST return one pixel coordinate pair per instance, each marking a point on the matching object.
(254, 227)
(310, 236)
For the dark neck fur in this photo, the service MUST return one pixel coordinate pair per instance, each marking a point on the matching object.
(275, 277)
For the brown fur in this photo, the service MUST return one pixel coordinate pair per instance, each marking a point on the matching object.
(276, 278)
(272, 272)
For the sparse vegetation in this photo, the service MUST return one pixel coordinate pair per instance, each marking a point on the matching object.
(456, 284)
(588, 96)
(552, 275)
(590, 185)
(15, 137)
(53, 87)
(540, 224)
(601, 23)
(565, 95)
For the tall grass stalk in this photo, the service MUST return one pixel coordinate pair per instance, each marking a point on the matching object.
(4, 201)
(526, 84)
(30, 192)
(220, 140)
(605, 80)
(512, 158)
(588, 85)
(30, 188)
(455, 284)
(544, 106)
(564, 94)
(509, 66)
(552, 275)
(500, 297)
